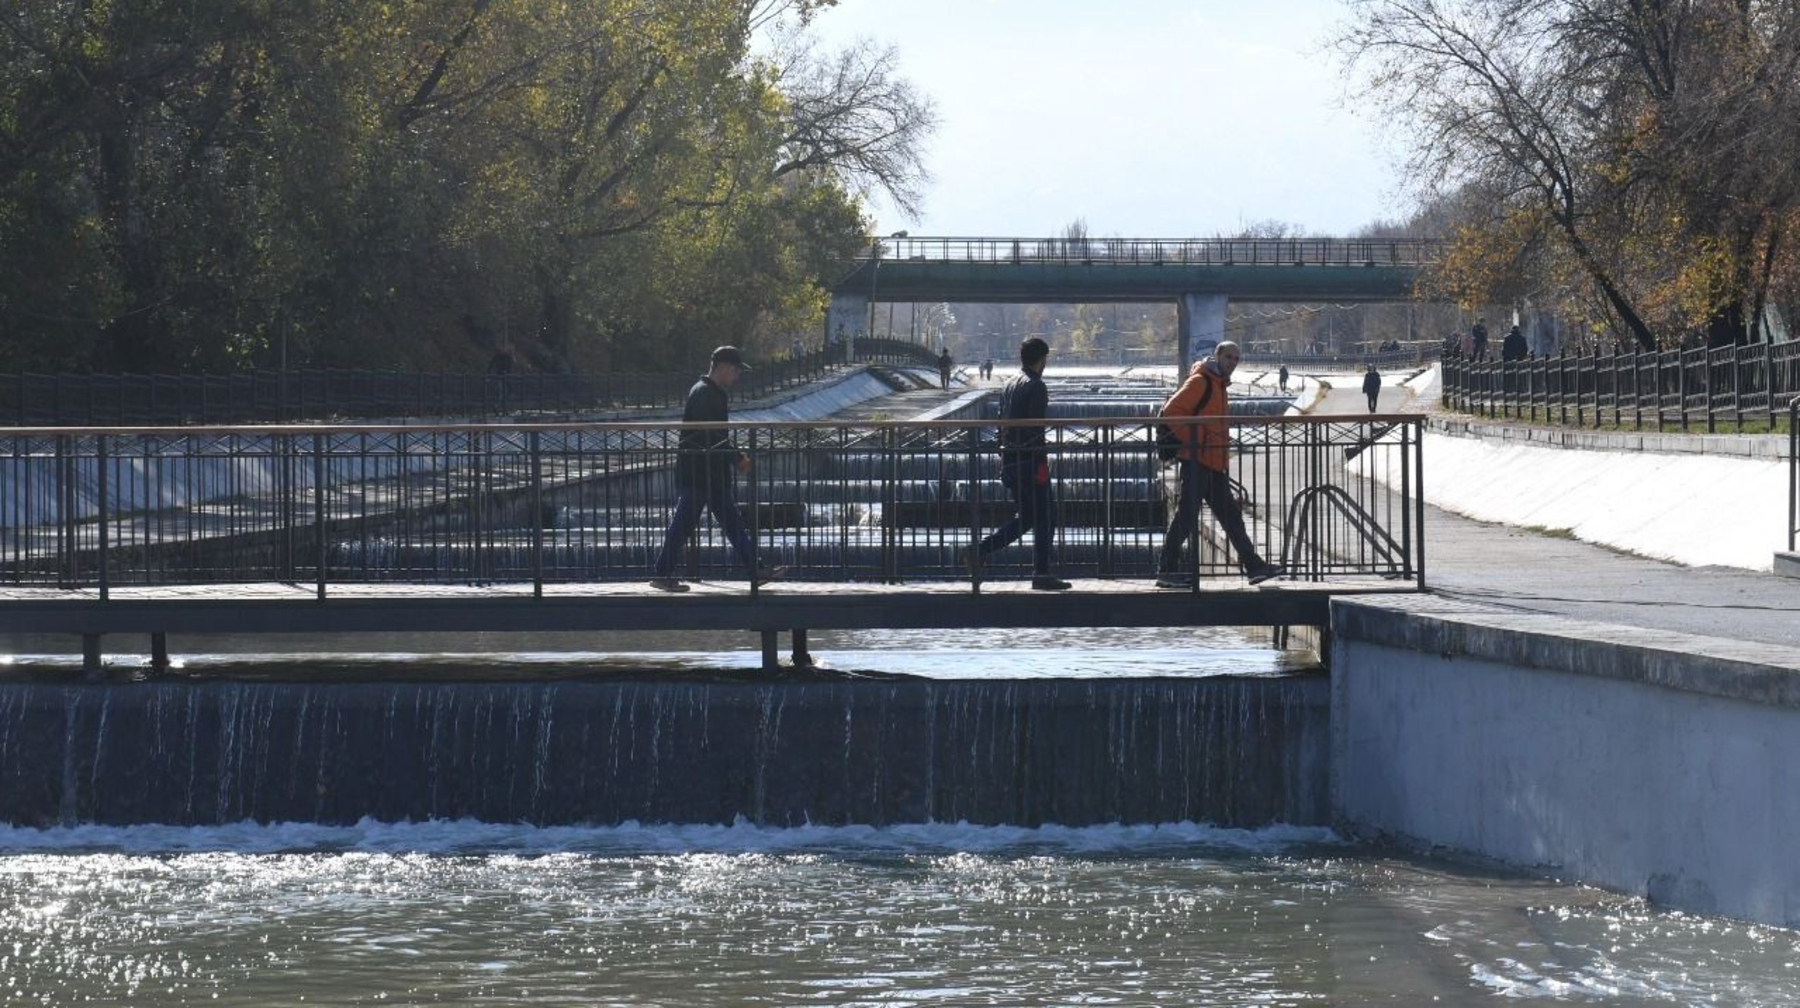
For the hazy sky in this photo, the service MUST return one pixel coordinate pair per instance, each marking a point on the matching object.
(1146, 117)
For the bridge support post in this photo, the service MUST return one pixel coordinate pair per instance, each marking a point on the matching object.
(802, 656)
(92, 661)
(845, 320)
(1200, 326)
(159, 653)
(771, 651)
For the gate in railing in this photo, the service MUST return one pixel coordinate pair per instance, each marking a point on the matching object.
(1736, 384)
(561, 503)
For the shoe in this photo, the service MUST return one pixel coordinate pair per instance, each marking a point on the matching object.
(1174, 581)
(769, 572)
(1049, 582)
(971, 558)
(1265, 571)
(667, 584)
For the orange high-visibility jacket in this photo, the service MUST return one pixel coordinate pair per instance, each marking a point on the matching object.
(1205, 442)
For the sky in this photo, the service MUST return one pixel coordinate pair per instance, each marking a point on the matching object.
(1146, 118)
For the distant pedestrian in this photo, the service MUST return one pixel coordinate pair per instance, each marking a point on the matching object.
(1282, 376)
(1453, 345)
(1025, 472)
(1202, 463)
(944, 364)
(1478, 340)
(1513, 347)
(796, 349)
(1372, 386)
(704, 466)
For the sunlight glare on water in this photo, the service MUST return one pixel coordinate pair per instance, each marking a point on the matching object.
(922, 915)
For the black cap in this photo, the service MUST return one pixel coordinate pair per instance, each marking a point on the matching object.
(730, 355)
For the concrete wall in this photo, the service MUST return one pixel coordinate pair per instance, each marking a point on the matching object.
(1655, 763)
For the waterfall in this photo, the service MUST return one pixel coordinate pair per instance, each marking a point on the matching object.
(1231, 751)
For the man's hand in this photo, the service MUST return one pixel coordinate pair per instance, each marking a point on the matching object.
(743, 463)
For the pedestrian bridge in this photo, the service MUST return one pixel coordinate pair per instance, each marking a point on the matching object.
(543, 527)
(1202, 275)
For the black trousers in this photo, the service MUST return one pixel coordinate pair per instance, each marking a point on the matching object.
(1199, 483)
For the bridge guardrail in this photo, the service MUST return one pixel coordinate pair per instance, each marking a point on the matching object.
(1734, 384)
(323, 394)
(1157, 251)
(538, 504)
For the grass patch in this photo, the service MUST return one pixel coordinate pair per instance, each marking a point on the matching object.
(1551, 533)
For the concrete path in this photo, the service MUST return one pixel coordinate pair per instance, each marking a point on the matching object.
(1512, 568)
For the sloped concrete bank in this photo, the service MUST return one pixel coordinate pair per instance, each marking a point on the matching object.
(1657, 763)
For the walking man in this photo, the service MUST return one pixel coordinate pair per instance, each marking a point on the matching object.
(1025, 472)
(704, 474)
(1202, 459)
(944, 366)
(1478, 340)
(1372, 386)
(1283, 376)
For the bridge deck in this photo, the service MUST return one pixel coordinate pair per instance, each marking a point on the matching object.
(274, 608)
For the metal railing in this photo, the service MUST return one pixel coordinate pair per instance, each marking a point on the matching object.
(28, 400)
(1412, 356)
(543, 504)
(1670, 388)
(1794, 474)
(1158, 251)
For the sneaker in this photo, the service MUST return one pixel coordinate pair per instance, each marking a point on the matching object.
(1265, 571)
(971, 558)
(1174, 581)
(667, 584)
(769, 572)
(1049, 582)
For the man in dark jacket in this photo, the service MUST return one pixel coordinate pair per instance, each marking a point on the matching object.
(1024, 471)
(1478, 351)
(1513, 348)
(703, 473)
(944, 365)
(1372, 386)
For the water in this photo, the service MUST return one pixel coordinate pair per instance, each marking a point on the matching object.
(923, 914)
(927, 915)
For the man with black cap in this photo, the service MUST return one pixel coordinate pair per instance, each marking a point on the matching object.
(703, 473)
(1025, 472)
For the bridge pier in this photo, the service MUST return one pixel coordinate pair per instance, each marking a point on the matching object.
(1200, 324)
(802, 656)
(159, 653)
(92, 661)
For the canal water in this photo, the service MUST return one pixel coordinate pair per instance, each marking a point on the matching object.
(920, 914)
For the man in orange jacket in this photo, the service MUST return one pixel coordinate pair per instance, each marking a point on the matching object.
(1203, 461)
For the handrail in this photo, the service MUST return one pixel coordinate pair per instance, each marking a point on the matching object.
(1794, 474)
(322, 505)
(1234, 420)
(1714, 385)
(1156, 251)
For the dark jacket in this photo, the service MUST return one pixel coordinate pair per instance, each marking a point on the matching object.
(1023, 398)
(1371, 382)
(1513, 346)
(707, 456)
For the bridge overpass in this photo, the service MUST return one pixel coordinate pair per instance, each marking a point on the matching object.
(1201, 275)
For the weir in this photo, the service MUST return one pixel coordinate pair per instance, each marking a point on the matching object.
(1232, 751)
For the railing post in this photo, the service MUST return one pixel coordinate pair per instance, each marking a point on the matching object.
(1418, 487)
(755, 536)
(537, 517)
(1681, 386)
(1712, 399)
(100, 489)
(319, 512)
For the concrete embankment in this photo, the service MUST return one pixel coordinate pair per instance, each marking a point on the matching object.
(1656, 763)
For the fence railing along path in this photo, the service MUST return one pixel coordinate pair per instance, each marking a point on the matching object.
(1736, 385)
(28, 400)
(326, 507)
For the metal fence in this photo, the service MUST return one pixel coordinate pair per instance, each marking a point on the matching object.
(1159, 251)
(28, 400)
(1416, 355)
(544, 504)
(1670, 388)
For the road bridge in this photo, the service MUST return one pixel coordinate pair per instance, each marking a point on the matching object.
(316, 529)
(1201, 275)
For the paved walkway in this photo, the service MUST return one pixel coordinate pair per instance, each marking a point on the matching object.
(1509, 567)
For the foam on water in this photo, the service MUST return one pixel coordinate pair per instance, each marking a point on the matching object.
(467, 836)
